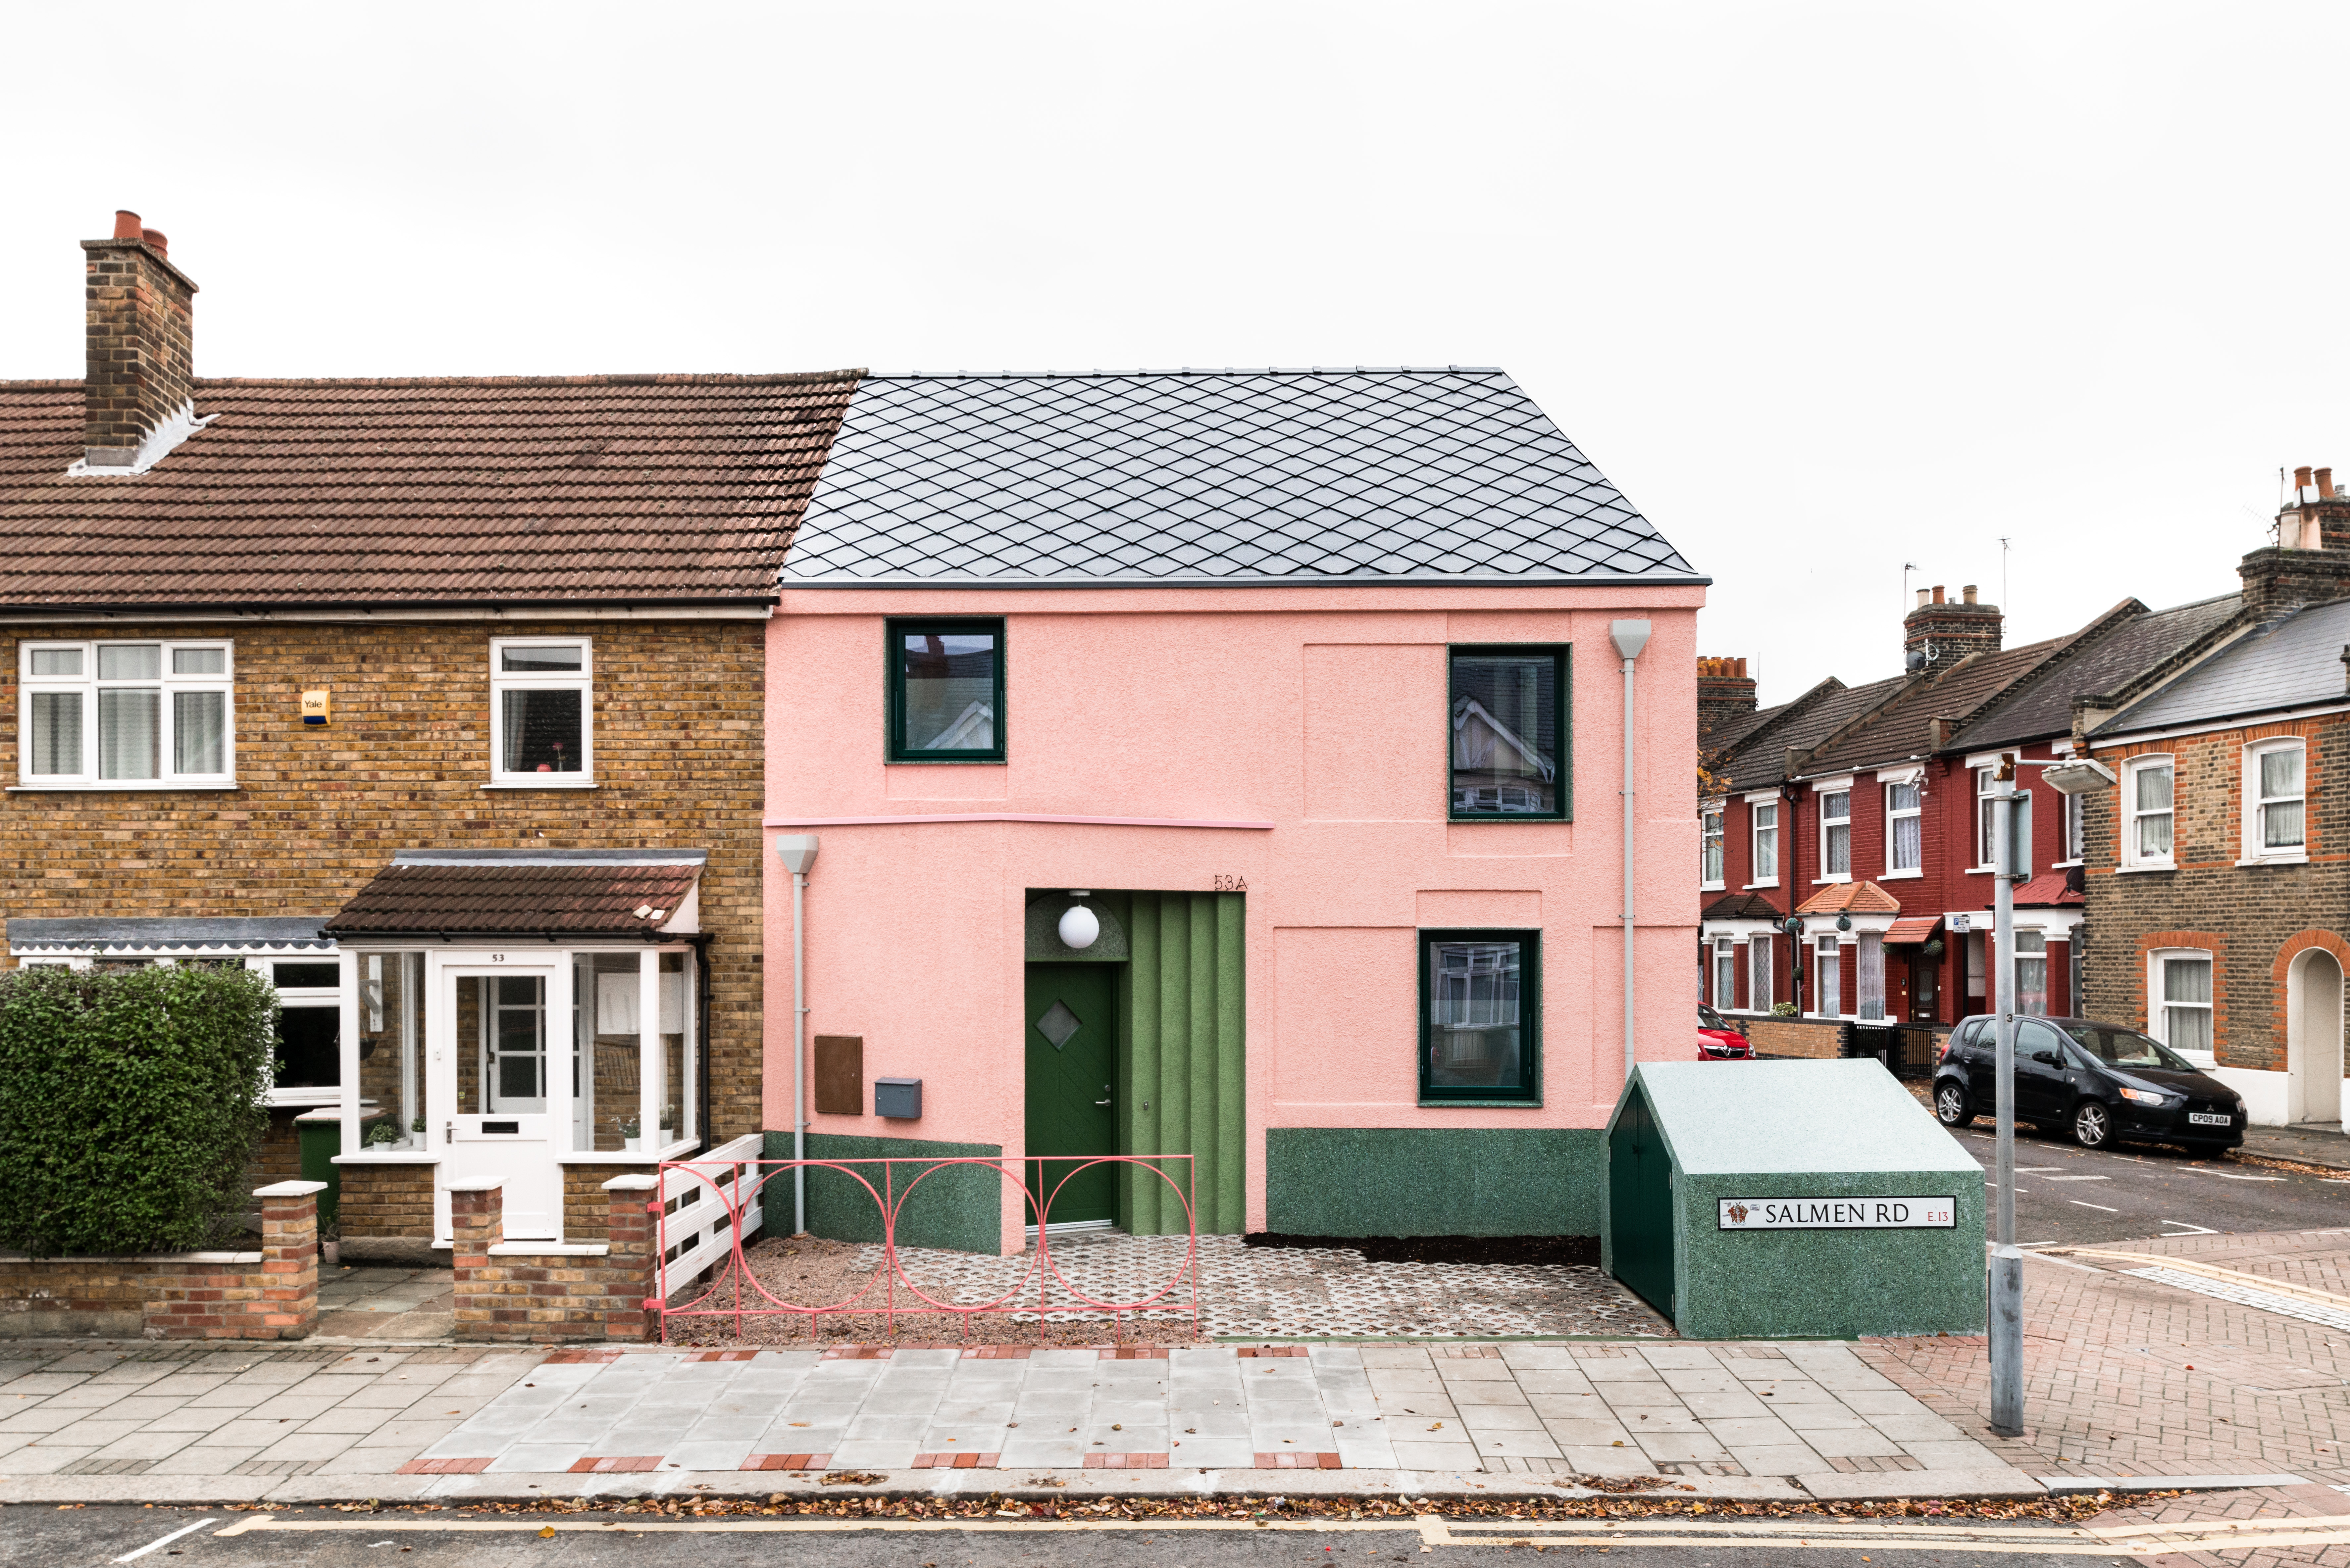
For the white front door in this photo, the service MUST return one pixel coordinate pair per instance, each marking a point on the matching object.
(488, 1024)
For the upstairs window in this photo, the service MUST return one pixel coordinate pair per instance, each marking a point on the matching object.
(946, 691)
(1986, 815)
(542, 711)
(1507, 731)
(2274, 808)
(2147, 795)
(1709, 846)
(1766, 843)
(1835, 835)
(1904, 843)
(2076, 836)
(114, 715)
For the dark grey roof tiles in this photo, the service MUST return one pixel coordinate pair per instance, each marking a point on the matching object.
(2293, 662)
(1900, 734)
(1172, 477)
(2042, 703)
(1765, 762)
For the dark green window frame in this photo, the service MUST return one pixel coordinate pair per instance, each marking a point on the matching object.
(894, 632)
(1528, 1089)
(1562, 656)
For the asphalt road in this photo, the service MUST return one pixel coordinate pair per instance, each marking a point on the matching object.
(92, 1537)
(2065, 1193)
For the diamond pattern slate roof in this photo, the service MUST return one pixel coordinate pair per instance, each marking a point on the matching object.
(504, 490)
(589, 900)
(2294, 661)
(1236, 476)
(2042, 703)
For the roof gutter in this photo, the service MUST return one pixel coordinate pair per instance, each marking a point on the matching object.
(1418, 581)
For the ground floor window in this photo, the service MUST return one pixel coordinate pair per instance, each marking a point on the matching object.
(1759, 993)
(2181, 1013)
(1725, 974)
(2031, 973)
(1871, 988)
(1480, 1005)
(1828, 1001)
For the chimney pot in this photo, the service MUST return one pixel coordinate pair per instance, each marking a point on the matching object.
(2326, 485)
(126, 224)
(2301, 479)
(138, 384)
(156, 238)
(1937, 593)
(1741, 669)
(1968, 592)
(1921, 598)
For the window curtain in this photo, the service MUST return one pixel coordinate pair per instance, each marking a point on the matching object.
(2281, 820)
(129, 723)
(199, 732)
(57, 732)
(1872, 975)
(2186, 997)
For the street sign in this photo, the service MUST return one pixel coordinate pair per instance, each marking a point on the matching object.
(1899, 1213)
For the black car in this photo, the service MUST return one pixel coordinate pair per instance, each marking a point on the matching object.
(2100, 1082)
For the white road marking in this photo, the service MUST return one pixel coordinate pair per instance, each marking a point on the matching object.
(2078, 1204)
(2186, 1228)
(2080, 1178)
(2227, 1175)
(166, 1541)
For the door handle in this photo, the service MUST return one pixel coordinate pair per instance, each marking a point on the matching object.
(1105, 1091)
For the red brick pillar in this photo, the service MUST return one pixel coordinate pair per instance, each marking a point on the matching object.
(288, 1307)
(476, 1224)
(634, 1238)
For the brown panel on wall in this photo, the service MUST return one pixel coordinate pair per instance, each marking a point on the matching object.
(840, 1074)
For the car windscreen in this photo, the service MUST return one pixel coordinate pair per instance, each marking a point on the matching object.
(2127, 1048)
(1708, 1017)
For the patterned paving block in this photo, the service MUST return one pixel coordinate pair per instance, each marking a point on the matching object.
(616, 1464)
(444, 1467)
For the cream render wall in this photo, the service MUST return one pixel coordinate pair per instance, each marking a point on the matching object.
(1320, 711)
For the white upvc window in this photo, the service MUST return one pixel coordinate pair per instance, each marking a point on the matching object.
(126, 715)
(1709, 867)
(1835, 835)
(2179, 1000)
(2031, 973)
(1759, 996)
(307, 1066)
(1828, 974)
(1905, 833)
(1766, 844)
(2148, 801)
(542, 712)
(2074, 820)
(1986, 814)
(1725, 974)
(2275, 816)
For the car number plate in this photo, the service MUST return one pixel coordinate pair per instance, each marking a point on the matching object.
(2208, 1120)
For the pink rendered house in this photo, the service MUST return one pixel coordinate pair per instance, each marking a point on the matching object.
(1226, 764)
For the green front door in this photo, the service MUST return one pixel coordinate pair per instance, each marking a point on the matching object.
(1072, 1070)
(1640, 1205)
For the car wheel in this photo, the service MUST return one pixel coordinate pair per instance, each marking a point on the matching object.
(1950, 1105)
(2092, 1125)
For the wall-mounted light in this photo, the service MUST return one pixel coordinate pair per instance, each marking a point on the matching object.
(1079, 924)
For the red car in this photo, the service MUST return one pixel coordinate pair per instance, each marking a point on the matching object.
(1717, 1039)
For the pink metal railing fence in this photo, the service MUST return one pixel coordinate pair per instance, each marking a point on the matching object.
(741, 1187)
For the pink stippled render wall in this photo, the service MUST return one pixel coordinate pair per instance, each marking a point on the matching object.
(1320, 711)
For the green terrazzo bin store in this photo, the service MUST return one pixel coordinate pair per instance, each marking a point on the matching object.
(1791, 1199)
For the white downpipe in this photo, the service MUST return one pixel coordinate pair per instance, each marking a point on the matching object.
(1629, 637)
(798, 852)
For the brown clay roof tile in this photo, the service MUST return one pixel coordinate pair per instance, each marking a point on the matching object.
(591, 900)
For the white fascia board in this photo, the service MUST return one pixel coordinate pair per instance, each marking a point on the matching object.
(1909, 773)
(1760, 796)
(1738, 929)
(1830, 786)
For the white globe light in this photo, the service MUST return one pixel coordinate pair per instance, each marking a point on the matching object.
(1079, 927)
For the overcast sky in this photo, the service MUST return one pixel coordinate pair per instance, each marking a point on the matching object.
(1823, 288)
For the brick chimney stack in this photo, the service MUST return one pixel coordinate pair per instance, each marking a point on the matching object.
(1940, 632)
(1725, 691)
(2310, 562)
(138, 391)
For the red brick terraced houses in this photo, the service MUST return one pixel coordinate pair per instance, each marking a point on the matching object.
(1863, 813)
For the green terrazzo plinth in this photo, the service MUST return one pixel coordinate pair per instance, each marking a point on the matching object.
(1777, 1130)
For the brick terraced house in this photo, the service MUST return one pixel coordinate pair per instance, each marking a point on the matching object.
(441, 703)
(2219, 866)
(1861, 813)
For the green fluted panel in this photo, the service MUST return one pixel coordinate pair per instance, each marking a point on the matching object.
(1186, 1056)
(1231, 1057)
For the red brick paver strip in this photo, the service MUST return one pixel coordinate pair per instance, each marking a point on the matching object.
(1323, 1461)
(785, 1462)
(997, 1352)
(1137, 1353)
(971, 1461)
(444, 1467)
(1258, 1352)
(616, 1464)
(1125, 1461)
(723, 1355)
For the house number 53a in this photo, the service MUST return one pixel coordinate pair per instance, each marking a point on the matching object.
(1227, 882)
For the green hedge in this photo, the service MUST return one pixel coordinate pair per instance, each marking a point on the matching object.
(130, 1103)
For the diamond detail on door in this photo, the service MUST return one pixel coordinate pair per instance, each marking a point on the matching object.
(1058, 1024)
